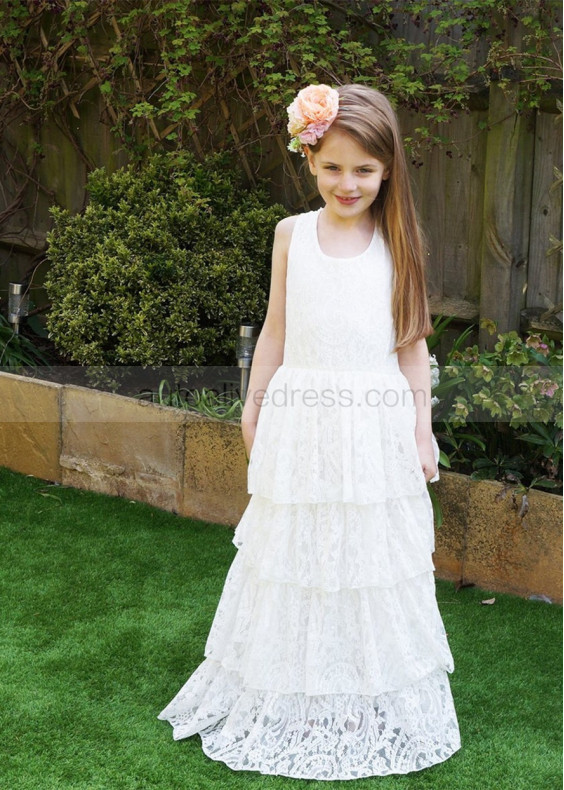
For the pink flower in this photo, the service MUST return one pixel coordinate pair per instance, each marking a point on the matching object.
(313, 132)
(534, 341)
(312, 112)
(548, 387)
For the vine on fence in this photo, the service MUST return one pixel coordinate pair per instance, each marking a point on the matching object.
(164, 57)
(172, 74)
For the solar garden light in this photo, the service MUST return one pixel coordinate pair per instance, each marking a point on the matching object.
(18, 304)
(246, 342)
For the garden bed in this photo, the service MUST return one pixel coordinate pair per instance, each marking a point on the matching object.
(195, 466)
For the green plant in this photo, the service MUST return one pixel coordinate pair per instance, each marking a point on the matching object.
(519, 381)
(440, 325)
(547, 439)
(220, 406)
(494, 402)
(162, 266)
(16, 351)
(459, 443)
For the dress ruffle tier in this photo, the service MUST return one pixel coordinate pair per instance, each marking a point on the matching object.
(336, 436)
(324, 737)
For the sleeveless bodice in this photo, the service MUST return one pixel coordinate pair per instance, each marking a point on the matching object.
(338, 310)
(337, 421)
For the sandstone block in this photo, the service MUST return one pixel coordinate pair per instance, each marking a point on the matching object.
(30, 437)
(215, 471)
(453, 491)
(510, 554)
(122, 446)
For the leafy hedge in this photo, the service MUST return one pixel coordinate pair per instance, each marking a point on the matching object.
(162, 266)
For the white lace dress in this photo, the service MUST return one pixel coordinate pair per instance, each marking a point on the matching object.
(327, 657)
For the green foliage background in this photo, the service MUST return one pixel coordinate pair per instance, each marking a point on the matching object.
(499, 412)
(429, 55)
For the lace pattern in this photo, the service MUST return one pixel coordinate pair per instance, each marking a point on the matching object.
(327, 657)
(337, 736)
(365, 640)
(327, 436)
(331, 546)
(338, 311)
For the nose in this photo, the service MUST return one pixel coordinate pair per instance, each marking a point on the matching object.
(348, 182)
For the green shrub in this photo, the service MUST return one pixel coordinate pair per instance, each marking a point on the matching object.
(499, 412)
(520, 381)
(162, 266)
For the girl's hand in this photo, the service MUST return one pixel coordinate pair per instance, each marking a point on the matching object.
(248, 430)
(427, 457)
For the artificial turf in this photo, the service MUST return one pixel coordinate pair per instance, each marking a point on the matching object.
(106, 606)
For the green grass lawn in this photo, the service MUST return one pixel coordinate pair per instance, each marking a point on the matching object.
(106, 607)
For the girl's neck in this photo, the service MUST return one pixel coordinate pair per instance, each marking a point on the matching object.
(344, 236)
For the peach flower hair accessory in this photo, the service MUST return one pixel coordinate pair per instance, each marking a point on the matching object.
(310, 115)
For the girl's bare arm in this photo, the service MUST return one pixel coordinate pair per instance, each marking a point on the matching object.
(269, 350)
(414, 364)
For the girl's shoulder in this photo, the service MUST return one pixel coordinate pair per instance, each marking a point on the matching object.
(285, 228)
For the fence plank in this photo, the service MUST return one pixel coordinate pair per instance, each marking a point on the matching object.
(448, 190)
(545, 271)
(507, 191)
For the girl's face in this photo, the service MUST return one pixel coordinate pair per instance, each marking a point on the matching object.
(348, 178)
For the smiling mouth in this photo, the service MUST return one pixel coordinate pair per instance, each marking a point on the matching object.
(347, 199)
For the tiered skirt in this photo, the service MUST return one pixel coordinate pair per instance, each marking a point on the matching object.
(327, 657)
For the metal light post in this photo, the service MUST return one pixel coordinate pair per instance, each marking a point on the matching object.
(18, 304)
(246, 342)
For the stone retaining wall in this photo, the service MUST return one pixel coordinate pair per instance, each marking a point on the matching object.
(179, 461)
(195, 466)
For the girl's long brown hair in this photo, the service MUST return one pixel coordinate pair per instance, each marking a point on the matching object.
(368, 117)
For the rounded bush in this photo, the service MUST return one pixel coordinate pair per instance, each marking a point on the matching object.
(162, 266)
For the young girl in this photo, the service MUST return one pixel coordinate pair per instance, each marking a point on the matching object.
(327, 657)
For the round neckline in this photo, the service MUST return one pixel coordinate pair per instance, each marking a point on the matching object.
(333, 257)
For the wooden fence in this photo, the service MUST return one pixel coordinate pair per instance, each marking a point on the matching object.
(489, 201)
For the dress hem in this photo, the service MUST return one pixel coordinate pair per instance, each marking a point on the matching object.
(233, 767)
